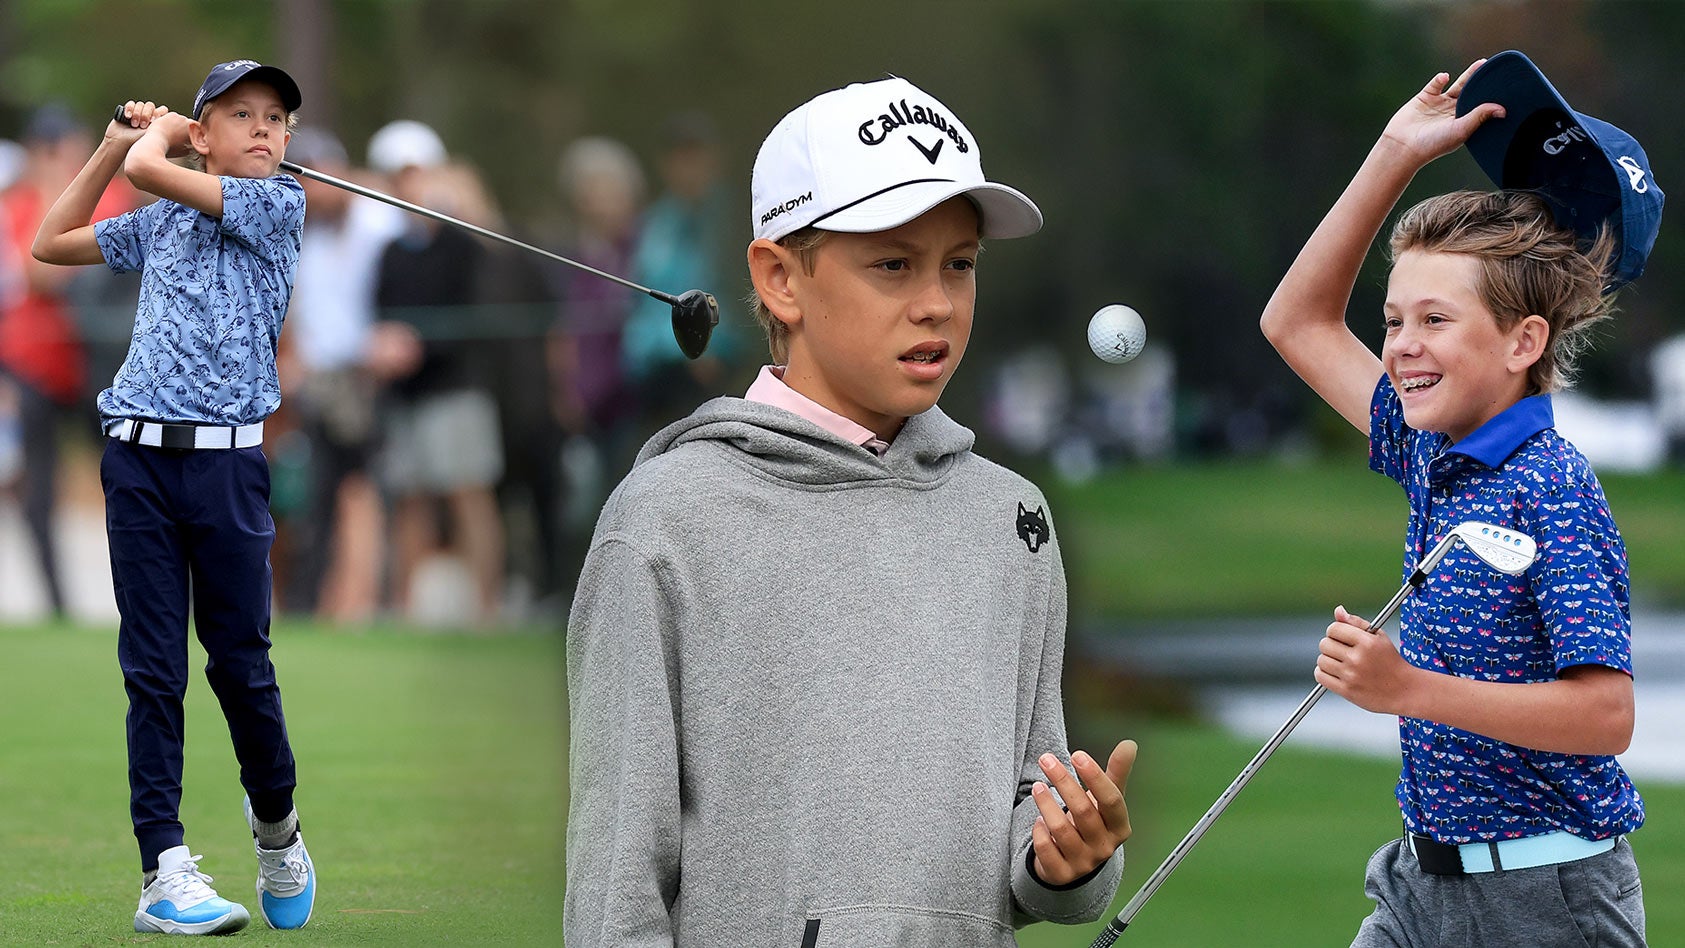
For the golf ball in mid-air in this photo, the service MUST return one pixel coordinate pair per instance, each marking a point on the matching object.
(1116, 333)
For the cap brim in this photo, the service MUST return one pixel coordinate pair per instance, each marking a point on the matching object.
(291, 99)
(1004, 212)
(1511, 80)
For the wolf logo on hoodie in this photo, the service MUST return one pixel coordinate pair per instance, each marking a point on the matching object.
(1032, 527)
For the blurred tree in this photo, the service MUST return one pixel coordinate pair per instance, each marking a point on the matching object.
(1181, 151)
(1198, 145)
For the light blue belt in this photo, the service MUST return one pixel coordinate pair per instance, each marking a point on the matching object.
(1528, 852)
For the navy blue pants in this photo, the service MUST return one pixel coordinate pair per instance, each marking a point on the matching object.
(192, 528)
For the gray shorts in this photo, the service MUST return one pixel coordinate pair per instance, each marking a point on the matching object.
(1597, 901)
(443, 442)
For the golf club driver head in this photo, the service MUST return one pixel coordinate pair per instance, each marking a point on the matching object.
(695, 314)
(1505, 550)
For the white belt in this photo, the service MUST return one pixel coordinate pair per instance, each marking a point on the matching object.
(154, 434)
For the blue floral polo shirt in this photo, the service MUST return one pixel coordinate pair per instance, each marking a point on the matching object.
(1569, 608)
(213, 293)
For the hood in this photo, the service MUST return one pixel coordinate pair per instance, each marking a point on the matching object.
(790, 448)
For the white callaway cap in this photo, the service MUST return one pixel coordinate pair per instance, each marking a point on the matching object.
(873, 156)
(405, 143)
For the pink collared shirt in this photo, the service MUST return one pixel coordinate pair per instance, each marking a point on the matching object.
(769, 388)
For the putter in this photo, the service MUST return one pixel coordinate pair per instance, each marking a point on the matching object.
(1505, 550)
(695, 313)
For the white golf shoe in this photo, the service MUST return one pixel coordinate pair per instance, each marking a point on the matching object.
(180, 900)
(286, 880)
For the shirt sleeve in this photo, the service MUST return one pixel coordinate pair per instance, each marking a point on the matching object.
(1085, 900)
(121, 239)
(1580, 580)
(623, 828)
(1389, 436)
(265, 214)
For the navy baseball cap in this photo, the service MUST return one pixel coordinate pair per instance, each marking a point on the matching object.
(1588, 170)
(226, 74)
(52, 122)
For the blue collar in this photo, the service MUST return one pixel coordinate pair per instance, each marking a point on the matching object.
(1493, 442)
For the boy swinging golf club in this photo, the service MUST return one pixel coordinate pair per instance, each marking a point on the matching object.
(186, 482)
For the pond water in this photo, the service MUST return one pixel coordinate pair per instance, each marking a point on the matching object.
(1251, 675)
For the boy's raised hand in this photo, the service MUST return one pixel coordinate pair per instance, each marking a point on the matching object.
(1073, 841)
(1428, 124)
(137, 117)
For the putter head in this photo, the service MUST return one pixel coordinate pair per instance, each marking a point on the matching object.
(1505, 550)
(695, 314)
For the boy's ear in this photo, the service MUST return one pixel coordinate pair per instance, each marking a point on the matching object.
(1531, 337)
(771, 267)
(197, 138)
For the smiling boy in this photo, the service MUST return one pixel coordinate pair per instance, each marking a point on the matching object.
(1513, 697)
(815, 654)
(186, 482)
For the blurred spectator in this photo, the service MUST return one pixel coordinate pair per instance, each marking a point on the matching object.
(604, 187)
(504, 353)
(443, 442)
(1667, 375)
(42, 361)
(516, 307)
(331, 376)
(1029, 399)
(11, 260)
(11, 162)
(682, 243)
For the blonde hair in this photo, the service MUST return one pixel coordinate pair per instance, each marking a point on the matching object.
(804, 243)
(1529, 265)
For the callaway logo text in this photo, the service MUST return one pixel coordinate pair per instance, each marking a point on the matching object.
(1556, 143)
(874, 131)
(786, 207)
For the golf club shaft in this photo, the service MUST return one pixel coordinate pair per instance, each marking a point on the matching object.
(1118, 924)
(297, 169)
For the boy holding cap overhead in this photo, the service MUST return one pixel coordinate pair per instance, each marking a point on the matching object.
(1513, 696)
(186, 482)
(814, 657)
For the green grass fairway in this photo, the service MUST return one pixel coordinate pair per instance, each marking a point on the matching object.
(431, 788)
(1263, 537)
(434, 798)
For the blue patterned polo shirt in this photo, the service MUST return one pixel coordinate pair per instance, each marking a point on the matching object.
(1569, 608)
(213, 294)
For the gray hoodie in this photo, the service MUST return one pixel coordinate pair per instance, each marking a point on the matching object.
(808, 687)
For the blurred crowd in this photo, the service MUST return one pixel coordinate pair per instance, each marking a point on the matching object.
(454, 410)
